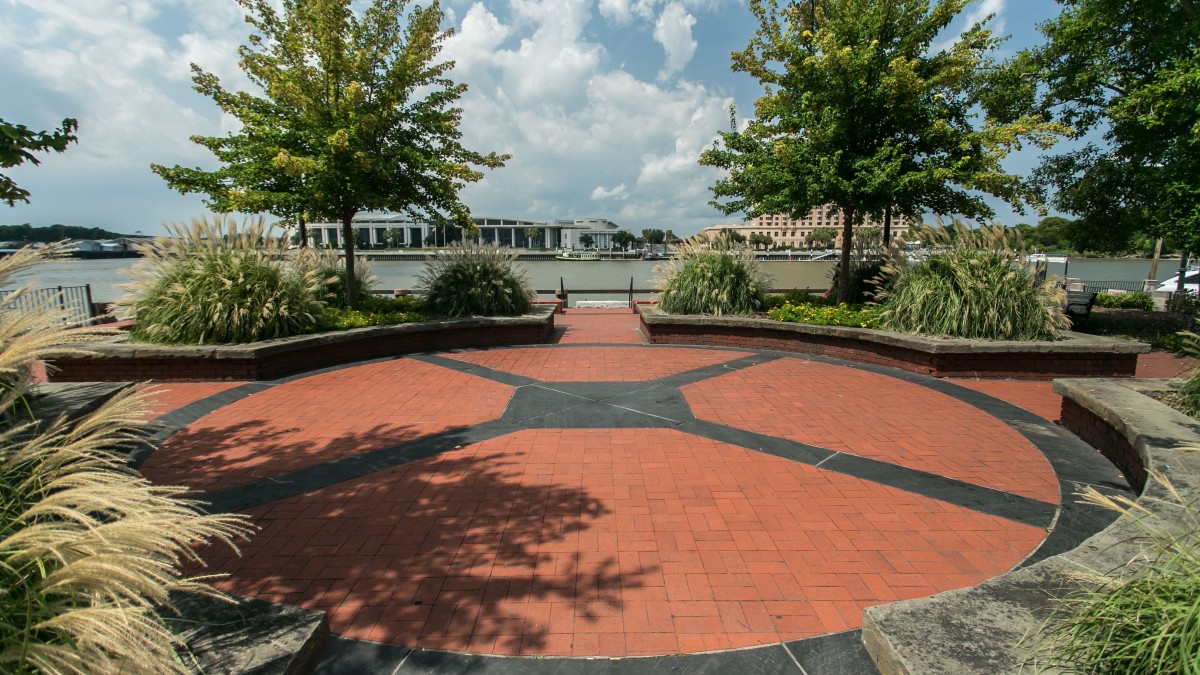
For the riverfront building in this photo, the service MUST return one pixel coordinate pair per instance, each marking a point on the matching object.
(794, 232)
(391, 230)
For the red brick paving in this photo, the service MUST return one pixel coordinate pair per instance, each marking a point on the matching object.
(611, 326)
(597, 364)
(613, 543)
(1037, 397)
(876, 416)
(1164, 364)
(606, 542)
(319, 418)
(172, 395)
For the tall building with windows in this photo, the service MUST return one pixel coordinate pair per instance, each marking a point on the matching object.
(794, 232)
(392, 230)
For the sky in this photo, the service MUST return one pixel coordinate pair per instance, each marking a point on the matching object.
(605, 105)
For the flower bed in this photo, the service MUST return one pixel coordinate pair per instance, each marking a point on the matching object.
(120, 360)
(1075, 356)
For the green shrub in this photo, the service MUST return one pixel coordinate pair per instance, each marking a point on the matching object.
(89, 550)
(1144, 617)
(1184, 302)
(1186, 397)
(341, 318)
(794, 297)
(215, 282)
(863, 275)
(1137, 300)
(712, 276)
(474, 279)
(980, 287)
(856, 316)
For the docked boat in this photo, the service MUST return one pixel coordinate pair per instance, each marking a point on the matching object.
(571, 254)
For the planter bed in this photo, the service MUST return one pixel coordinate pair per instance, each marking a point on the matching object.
(995, 627)
(1078, 355)
(119, 360)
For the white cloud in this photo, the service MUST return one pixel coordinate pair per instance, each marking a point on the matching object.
(976, 13)
(616, 192)
(674, 32)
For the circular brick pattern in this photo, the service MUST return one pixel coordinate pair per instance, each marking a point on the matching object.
(600, 541)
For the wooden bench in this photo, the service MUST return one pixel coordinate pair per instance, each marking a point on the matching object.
(1079, 304)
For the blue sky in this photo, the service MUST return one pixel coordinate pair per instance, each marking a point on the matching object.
(604, 104)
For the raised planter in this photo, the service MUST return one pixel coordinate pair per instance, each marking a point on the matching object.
(995, 627)
(1077, 355)
(120, 360)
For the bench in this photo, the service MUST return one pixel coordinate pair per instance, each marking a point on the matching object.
(1079, 304)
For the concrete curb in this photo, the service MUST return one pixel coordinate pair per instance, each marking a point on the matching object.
(996, 627)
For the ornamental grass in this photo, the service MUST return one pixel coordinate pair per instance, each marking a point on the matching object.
(216, 281)
(977, 285)
(89, 550)
(331, 269)
(475, 279)
(712, 275)
(1144, 617)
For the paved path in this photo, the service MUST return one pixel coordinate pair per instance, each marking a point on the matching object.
(606, 498)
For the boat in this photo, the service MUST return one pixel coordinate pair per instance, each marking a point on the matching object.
(1047, 257)
(571, 254)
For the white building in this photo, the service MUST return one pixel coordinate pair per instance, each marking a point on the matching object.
(391, 230)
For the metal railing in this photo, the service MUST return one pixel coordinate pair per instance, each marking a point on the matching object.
(1102, 286)
(75, 302)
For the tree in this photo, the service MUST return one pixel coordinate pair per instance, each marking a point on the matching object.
(533, 234)
(734, 236)
(654, 236)
(17, 145)
(586, 240)
(821, 236)
(623, 238)
(1129, 69)
(759, 239)
(669, 237)
(859, 113)
(356, 115)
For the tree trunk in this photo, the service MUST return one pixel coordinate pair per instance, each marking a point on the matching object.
(887, 226)
(348, 242)
(844, 264)
(303, 233)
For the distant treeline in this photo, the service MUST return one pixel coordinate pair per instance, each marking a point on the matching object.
(26, 233)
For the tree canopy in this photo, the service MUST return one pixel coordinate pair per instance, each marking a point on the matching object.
(17, 145)
(860, 112)
(355, 114)
(1129, 71)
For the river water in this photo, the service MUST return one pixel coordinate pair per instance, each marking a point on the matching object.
(577, 276)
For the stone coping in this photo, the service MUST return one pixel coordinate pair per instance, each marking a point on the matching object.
(121, 347)
(995, 627)
(1071, 343)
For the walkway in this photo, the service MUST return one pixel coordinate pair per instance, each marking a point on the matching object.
(606, 498)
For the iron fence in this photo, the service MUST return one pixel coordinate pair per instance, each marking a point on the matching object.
(1102, 286)
(75, 302)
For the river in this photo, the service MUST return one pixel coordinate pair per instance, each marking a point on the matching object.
(577, 276)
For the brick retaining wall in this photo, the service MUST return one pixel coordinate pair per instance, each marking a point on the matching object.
(1078, 356)
(1113, 444)
(109, 362)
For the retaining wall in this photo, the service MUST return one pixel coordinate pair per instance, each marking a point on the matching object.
(997, 626)
(1077, 355)
(120, 360)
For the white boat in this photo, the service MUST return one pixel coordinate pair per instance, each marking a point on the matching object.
(1047, 257)
(571, 254)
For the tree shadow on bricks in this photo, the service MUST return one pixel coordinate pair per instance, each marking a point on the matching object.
(209, 457)
(469, 549)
